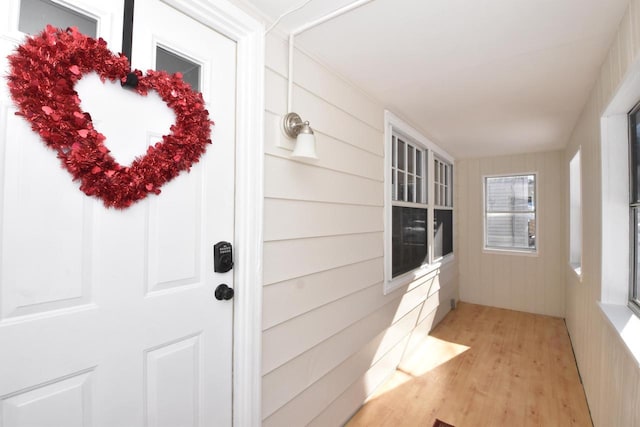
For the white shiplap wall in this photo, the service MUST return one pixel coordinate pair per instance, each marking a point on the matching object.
(531, 283)
(611, 376)
(330, 336)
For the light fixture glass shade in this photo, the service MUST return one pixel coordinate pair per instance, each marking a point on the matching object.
(294, 127)
(305, 146)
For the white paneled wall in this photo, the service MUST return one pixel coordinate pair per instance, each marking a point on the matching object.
(531, 283)
(611, 376)
(330, 336)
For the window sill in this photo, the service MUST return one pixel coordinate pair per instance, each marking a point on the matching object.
(517, 252)
(416, 274)
(626, 324)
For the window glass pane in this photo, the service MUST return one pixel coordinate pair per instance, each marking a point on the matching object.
(450, 188)
(511, 230)
(419, 162)
(410, 159)
(531, 199)
(510, 193)
(36, 14)
(401, 186)
(447, 202)
(425, 177)
(636, 234)
(419, 190)
(401, 147)
(442, 233)
(393, 151)
(172, 63)
(410, 188)
(634, 157)
(634, 198)
(409, 246)
(394, 195)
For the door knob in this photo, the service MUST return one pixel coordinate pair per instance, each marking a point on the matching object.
(223, 292)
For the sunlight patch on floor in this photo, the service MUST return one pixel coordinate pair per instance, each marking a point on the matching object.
(433, 353)
(396, 380)
(516, 369)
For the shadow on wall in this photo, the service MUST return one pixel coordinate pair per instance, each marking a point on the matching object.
(408, 346)
(396, 329)
(357, 342)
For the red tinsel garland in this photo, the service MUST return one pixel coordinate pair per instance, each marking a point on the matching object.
(44, 71)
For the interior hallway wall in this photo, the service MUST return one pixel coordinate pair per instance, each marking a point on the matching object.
(330, 335)
(526, 282)
(610, 374)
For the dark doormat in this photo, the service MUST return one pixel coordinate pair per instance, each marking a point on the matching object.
(439, 423)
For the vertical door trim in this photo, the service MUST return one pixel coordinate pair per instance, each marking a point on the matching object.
(248, 33)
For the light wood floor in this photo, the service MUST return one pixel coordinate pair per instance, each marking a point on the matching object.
(484, 366)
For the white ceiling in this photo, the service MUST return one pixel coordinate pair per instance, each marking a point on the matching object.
(480, 77)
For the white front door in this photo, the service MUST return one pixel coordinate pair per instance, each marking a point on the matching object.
(108, 317)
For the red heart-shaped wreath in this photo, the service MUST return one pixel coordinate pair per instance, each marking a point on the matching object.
(44, 71)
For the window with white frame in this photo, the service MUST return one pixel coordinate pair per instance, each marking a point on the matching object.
(634, 207)
(620, 188)
(410, 208)
(418, 204)
(575, 212)
(510, 212)
(443, 212)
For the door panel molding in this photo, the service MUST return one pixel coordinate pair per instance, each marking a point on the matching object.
(248, 33)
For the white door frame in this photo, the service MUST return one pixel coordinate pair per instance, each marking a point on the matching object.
(248, 33)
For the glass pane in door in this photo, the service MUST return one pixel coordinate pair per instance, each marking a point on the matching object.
(36, 14)
(172, 63)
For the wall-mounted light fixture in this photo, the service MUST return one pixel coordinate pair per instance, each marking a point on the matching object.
(294, 127)
(292, 124)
